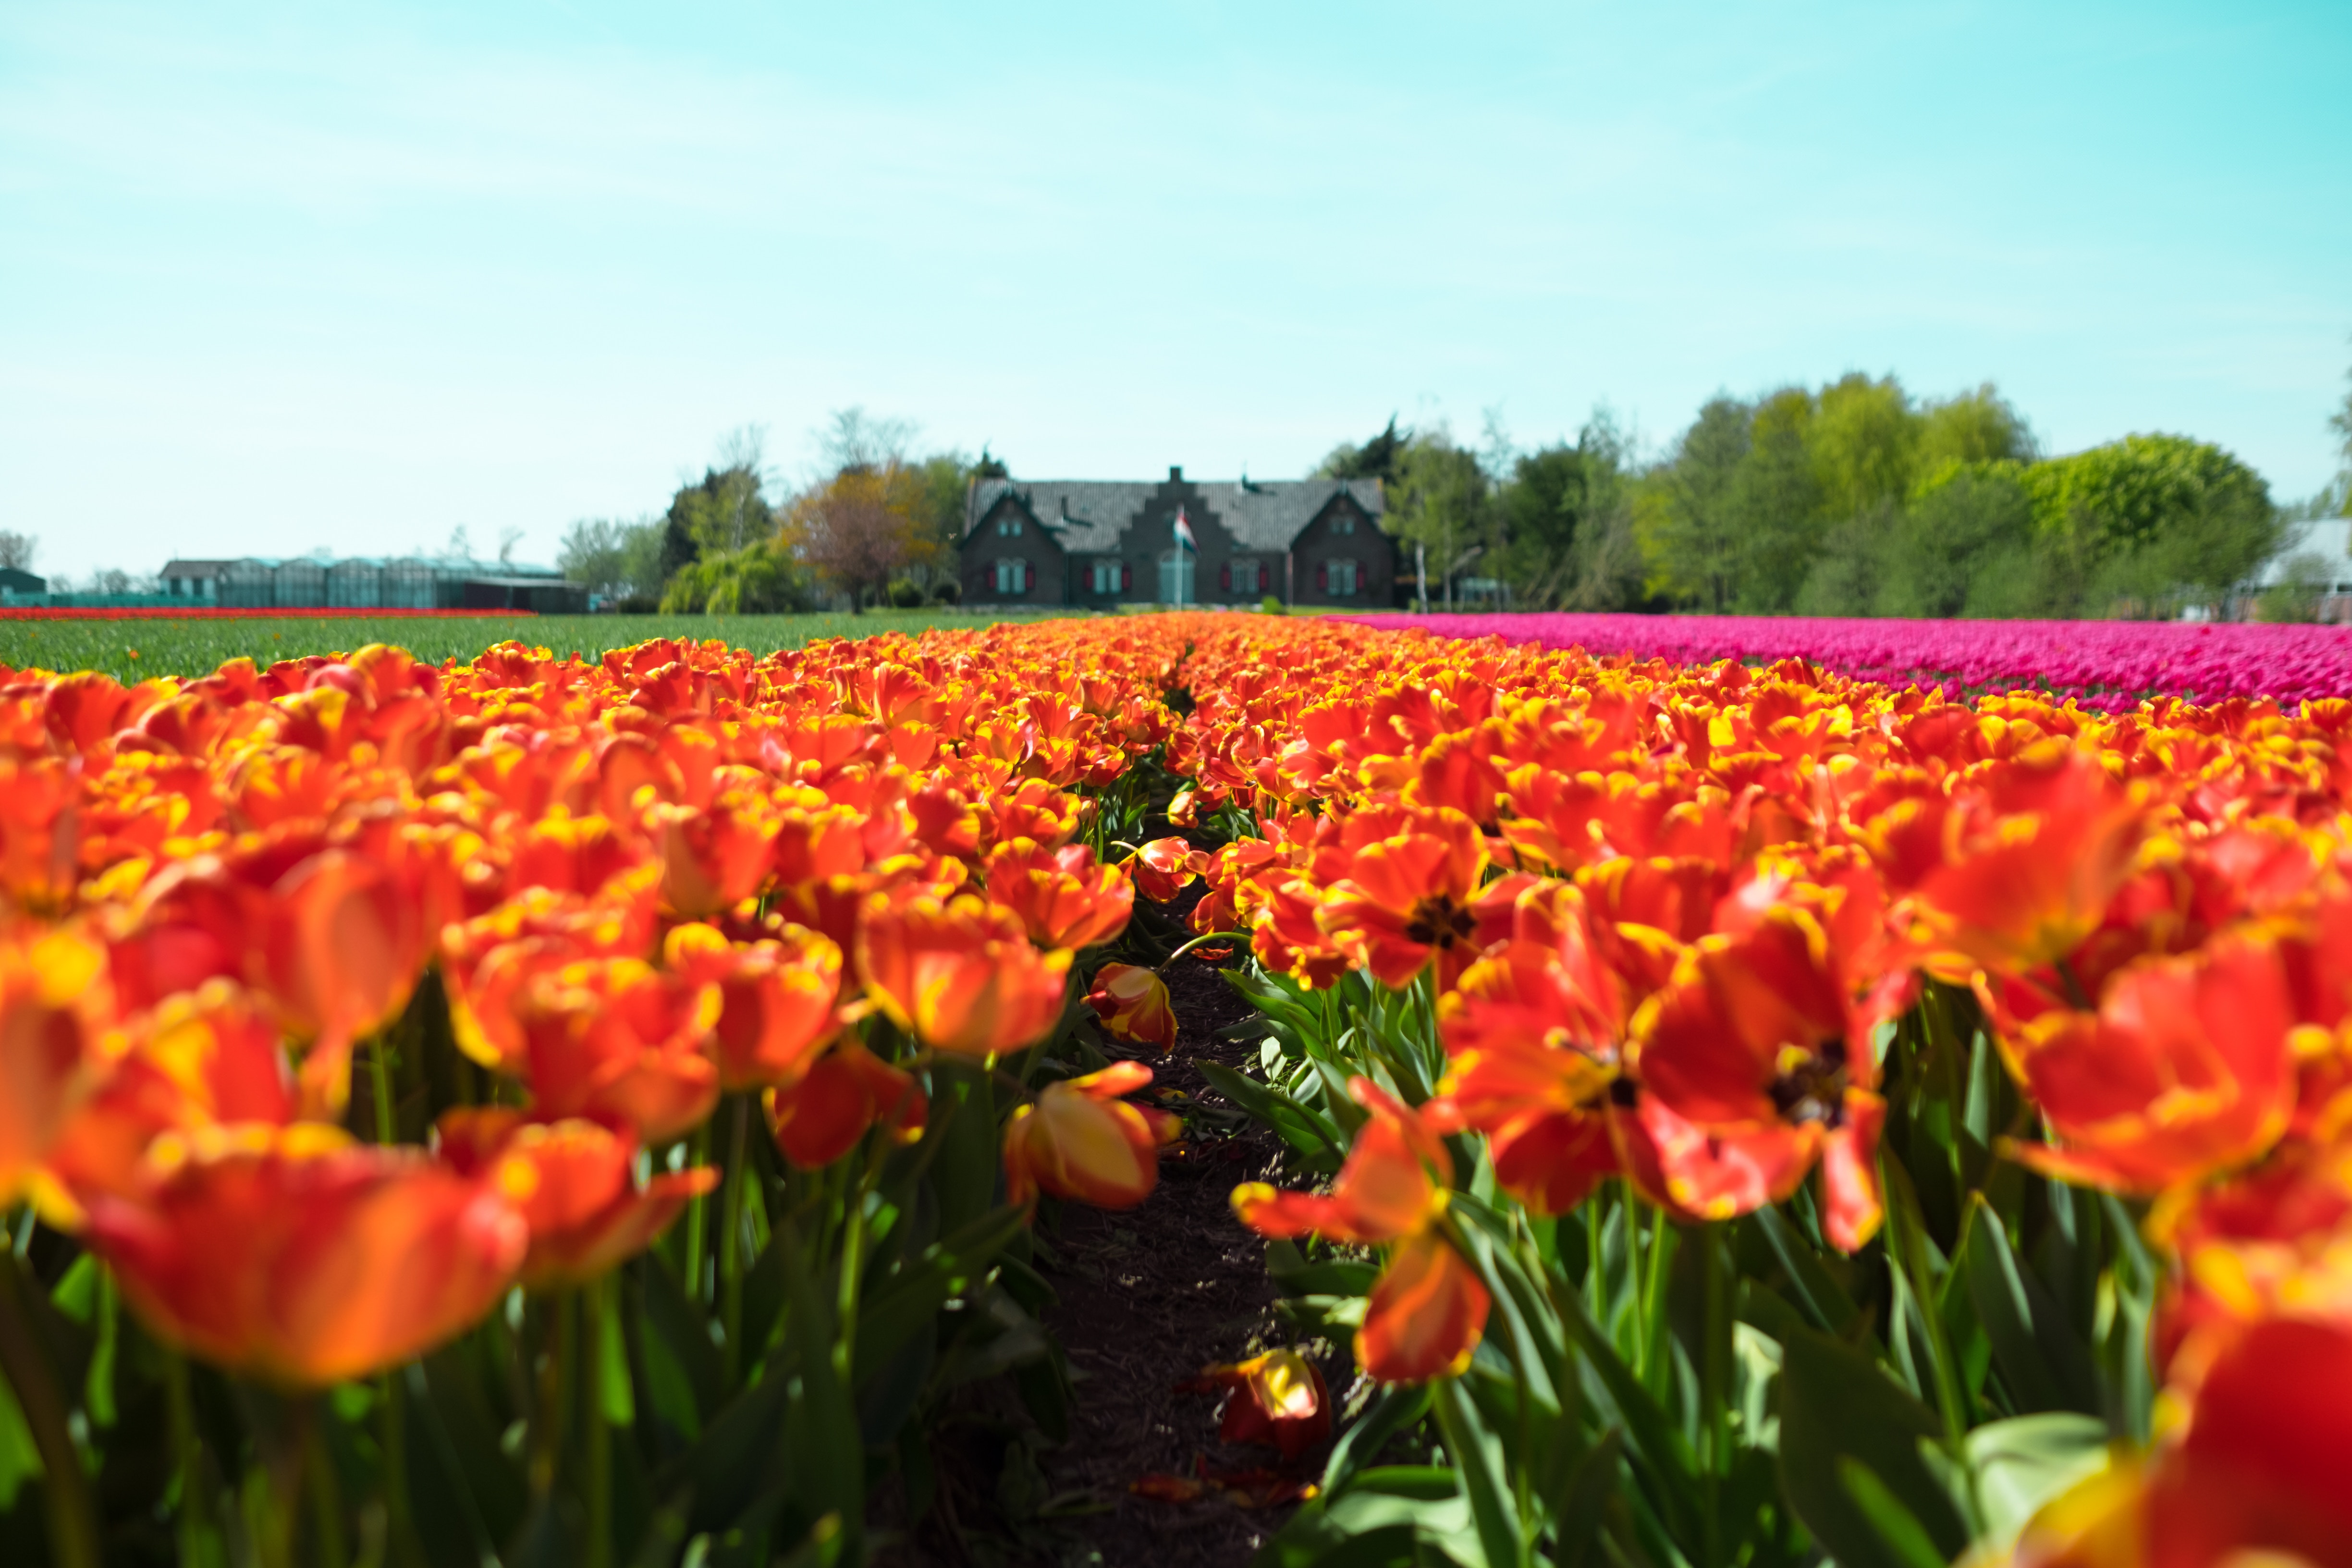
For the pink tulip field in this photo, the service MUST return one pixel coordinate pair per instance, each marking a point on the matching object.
(2108, 664)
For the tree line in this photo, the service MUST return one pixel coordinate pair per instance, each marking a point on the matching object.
(1855, 498)
(876, 525)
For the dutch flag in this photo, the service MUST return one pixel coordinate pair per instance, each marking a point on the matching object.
(1185, 533)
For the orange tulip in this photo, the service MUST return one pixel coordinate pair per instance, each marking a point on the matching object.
(1408, 897)
(1132, 1003)
(1061, 896)
(617, 1041)
(2276, 1240)
(53, 998)
(2185, 1068)
(712, 857)
(204, 1058)
(1081, 1140)
(2018, 874)
(847, 1090)
(297, 1255)
(2257, 1477)
(1165, 868)
(958, 972)
(776, 999)
(1755, 1048)
(1279, 1399)
(332, 929)
(1428, 1308)
(572, 1182)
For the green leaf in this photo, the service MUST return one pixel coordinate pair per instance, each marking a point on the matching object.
(1821, 1299)
(20, 1459)
(2025, 1462)
(1392, 1410)
(1898, 1529)
(829, 1450)
(1311, 1133)
(1578, 1502)
(1478, 1456)
(1835, 1405)
(613, 1389)
(2043, 1365)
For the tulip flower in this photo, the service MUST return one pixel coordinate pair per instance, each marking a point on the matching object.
(2256, 1477)
(1429, 1308)
(2273, 1240)
(1080, 1140)
(572, 1182)
(2019, 873)
(712, 857)
(1279, 1399)
(847, 1090)
(958, 973)
(1410, 896)
(2185, 1067)
(204, 1058)
(617, 1041)
(1062, 897)
(1165, 868)
(1756, 1050)
(776, 997)
(52, 1007)
(1132, 1003)
(295, 1256)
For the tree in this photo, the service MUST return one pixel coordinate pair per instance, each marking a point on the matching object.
(861, 527)
(2341, 422)
(619, 562)
(16, 550)
(1378, 458)
(1686, 516)
(1566, 512)
(1978, 426)
(1863, 441)
(1441, 502)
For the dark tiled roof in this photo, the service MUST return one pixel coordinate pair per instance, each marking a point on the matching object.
(1090, 516)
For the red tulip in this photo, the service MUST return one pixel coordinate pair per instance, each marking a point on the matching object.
(294, 1255)
(572, 1182)
(847, 1090)
(1081, 1140)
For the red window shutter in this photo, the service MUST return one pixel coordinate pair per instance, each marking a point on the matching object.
(1125, 578)
(1322, 577)
(1225, 578)
(1028, 577)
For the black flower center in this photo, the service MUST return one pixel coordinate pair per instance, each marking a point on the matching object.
(1439, 921)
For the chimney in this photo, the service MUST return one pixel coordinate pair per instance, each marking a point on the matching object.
(1175, 473)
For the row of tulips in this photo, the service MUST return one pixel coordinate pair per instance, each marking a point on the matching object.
(1757, 1114)
(536, 1110)
(2105, 665)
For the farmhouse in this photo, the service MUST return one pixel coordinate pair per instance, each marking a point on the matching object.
(1109, 542)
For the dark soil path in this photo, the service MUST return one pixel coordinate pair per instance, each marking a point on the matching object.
(1150, 1295)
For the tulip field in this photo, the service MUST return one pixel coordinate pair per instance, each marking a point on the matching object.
(2106, 665)
(632, 1109)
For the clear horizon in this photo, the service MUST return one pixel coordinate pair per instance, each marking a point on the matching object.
(281, 279)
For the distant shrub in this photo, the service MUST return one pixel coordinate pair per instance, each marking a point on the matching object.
(905, 595)
(947, 591)
(1270, 605)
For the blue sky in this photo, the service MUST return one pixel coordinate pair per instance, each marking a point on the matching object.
(274, 278)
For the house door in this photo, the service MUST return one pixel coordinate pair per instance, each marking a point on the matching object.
(1176, 578)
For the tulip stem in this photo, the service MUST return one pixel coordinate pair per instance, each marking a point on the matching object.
(556, 1313)
(1205, 936)
(393, 1435)
(730, 1236)
(595, 1303)
(379, 1081)
(318, 1478)
(699, 1153)
(73, 1523)
(188, 1457)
